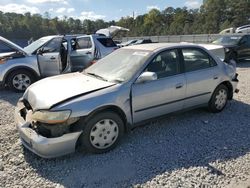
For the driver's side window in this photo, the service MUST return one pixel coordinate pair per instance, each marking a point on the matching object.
(53, 46)
(165, 64)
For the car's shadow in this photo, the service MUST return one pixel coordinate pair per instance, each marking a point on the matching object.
(9, 96)
(191, 139)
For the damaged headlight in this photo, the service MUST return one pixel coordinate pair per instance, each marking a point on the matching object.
(51, 117)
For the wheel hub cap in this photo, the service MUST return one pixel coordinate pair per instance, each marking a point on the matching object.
(221, 99)
(104, 133)
(21, 82)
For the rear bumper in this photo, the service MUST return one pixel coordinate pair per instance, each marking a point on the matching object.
(42, 146)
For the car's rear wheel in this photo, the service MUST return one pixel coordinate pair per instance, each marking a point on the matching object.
(102, 132)
(20, 80)
(219, 99)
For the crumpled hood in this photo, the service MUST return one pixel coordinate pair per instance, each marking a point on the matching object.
(50, 91)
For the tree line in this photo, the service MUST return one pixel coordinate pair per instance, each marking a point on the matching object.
(212, 17)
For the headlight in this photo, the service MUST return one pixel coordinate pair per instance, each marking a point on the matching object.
(51, 117)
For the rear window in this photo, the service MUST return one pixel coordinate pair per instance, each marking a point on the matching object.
(107, 42)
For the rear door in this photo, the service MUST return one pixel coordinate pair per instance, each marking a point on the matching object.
(49, 58)
(202, 75)
(82, 53)
(161, 96)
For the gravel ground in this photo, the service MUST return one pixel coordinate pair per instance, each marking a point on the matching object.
(192, 149)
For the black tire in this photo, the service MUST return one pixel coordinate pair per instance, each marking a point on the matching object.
(89, 129)
(27, 78)
(218, 101)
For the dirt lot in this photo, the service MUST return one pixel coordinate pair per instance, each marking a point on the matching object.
(192, 149)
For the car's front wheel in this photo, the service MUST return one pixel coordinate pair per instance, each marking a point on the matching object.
(102, 132)
(20, 80)
(219, 99)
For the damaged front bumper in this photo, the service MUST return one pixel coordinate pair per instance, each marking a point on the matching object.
(40, 145)
(235, 82)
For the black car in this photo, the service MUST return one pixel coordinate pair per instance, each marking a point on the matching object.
(237, 46)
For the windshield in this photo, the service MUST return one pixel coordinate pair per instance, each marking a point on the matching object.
(37, 44)
(119, 66)
(228, 40)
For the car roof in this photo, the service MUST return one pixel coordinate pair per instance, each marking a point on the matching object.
(159, 46)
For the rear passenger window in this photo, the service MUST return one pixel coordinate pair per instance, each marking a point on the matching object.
(84, 43)
(107, 42)
(196, 59)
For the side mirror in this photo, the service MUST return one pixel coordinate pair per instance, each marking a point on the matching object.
(146, 76)
(39, 51)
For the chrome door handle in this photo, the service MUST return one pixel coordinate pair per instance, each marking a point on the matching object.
(178, 86)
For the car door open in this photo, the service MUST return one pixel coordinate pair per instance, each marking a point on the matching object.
(49, 58)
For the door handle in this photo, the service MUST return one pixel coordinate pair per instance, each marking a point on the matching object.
(215, 77)
(52, 58)
(178, 86)
(88, 52)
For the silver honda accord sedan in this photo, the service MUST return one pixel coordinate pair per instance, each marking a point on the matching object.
(93, 109)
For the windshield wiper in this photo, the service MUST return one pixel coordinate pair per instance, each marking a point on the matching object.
(97, 76)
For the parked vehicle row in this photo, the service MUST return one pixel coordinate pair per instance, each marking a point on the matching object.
(237, 46)
(93, 109)
(241, 29)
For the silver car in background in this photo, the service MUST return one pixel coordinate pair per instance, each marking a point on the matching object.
(50, 56)
(93, 109)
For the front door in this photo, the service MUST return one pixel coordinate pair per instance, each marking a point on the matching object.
(49, 58)
(161, 96)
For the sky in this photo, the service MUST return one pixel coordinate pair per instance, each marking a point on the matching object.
(92, 9)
